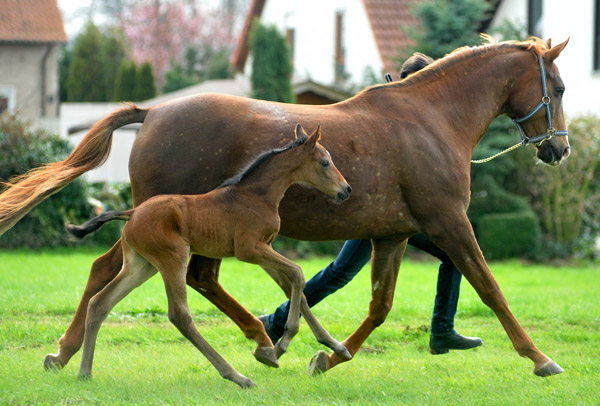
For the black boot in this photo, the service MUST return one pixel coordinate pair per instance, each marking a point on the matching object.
(452, 341)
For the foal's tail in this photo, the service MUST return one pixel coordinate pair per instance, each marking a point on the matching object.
(92, 225)
(23, 192)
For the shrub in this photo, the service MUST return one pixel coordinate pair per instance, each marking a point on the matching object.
(509, 235)
(21, 150)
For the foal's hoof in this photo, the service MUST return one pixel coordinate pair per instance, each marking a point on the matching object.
(243, 381)
(319, 363)
(51, 362)
(343, 353)
(549, 368)
(267, 356)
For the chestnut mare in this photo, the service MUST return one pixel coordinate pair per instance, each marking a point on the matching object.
(405, 147)
(239, 219)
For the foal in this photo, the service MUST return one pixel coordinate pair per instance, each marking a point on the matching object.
(240, 218)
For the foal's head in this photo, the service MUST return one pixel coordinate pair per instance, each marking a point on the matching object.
(549, 120)
(316, 167)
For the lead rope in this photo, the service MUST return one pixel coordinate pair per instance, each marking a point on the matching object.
(506, 151)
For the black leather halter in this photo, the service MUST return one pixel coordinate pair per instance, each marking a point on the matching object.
(545, 102)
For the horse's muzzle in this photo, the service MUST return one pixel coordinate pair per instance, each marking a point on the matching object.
(344, 194)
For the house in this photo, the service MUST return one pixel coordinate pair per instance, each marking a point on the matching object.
(335, 42)
(31, 34)
(579, 63)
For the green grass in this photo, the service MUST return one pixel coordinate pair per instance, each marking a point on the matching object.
(142, 359)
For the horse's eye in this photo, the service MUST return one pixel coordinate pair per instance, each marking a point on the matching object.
(325, 164)
(559, 90)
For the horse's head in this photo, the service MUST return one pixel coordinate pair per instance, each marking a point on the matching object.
(318, 170)
(535, 105)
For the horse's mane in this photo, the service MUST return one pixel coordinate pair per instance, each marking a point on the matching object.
(248, 169)
(533, 44)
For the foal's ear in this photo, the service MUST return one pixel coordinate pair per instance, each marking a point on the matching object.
(553, 53)
(299, 131)
(314, 138)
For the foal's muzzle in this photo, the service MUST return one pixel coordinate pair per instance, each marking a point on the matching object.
(343, 194)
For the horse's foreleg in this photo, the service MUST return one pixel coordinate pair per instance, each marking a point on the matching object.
(180, 315)
(385, 264)
(104, 270)
(203, 276)
(290, 278)
(464, 251)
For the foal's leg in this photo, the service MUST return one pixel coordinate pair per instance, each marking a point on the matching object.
(104, 269)
(290, 278)
(136, 271)
(174, 276)
(203, 276)
(464, 251)
(385, 264)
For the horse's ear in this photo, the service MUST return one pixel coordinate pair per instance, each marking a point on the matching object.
(553, 53)
(299, 131)
(314, 138)
(548, 43)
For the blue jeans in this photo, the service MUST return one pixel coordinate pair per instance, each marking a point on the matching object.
(351, 259)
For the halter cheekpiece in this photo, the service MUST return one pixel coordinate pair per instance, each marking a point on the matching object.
(545, 102)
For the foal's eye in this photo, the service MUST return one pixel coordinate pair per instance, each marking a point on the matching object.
(559, 90)
(325, 164)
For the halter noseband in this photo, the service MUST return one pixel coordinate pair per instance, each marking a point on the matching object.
(545, 102)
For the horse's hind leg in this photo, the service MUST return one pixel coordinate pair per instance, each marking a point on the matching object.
(203, 276)
(136, 271)
(179, 313)
(104, 270)
(385, 264)
(464, 251)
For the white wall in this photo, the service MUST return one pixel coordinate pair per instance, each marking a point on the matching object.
(314, 24)
(115, 169)
(561, 20)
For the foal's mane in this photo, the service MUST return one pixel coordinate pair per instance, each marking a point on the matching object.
(533, 44)
(248, 169)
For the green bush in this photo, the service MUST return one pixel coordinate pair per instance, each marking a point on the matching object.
(509, 235)
(21, 150)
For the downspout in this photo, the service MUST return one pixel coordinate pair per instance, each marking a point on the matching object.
(43, 81)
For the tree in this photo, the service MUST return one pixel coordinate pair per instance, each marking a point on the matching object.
(90, 69)
(144, 83)
(87, 78)
(113, 47)
(271, 65)
(125, 82)
(446, 25)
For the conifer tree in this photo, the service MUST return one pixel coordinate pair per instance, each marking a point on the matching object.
(144, 83)
(271, 65)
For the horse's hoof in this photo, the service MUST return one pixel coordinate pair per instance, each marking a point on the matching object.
(319, 363)
(51, 362)
(241, 380)
(549, 368)
(267, 356)
(84, 376)
(279, 351)
(344, 354)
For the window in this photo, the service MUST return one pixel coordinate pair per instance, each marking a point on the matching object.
(534, 18)
(8, 99)
(340, 48)
(597, 36)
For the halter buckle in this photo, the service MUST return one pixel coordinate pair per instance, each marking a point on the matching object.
(546, 100)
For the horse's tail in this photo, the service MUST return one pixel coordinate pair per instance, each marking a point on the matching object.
(92, 225)
(23, 192)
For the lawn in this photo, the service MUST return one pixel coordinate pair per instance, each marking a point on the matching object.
(142, 359)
